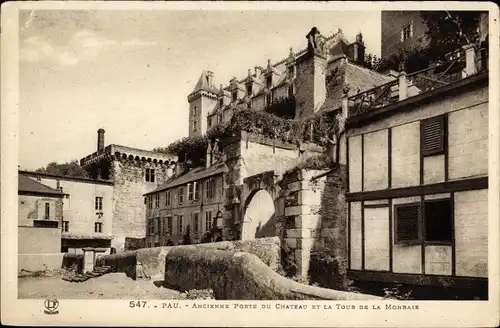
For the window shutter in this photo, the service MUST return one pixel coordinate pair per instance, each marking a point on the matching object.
(432, 135)
(407, 230)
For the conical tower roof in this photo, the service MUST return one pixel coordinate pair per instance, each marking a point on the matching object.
(205, 83)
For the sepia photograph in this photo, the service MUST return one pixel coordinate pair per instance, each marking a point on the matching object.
(234, 155)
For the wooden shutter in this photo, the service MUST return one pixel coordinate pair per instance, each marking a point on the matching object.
(407, 224)
(432, 136)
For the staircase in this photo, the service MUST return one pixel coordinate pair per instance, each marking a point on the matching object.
(97, 272)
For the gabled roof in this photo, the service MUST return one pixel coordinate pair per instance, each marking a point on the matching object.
(27, 185)
(195, 174)
(203, 84)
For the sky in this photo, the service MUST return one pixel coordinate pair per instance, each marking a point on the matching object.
(130, 72)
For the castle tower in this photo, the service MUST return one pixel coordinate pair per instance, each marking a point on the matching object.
(133, 172)
(201, 100)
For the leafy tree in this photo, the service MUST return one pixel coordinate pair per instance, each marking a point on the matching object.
(72, 169)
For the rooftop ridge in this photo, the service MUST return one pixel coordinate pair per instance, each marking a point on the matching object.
(62, 176)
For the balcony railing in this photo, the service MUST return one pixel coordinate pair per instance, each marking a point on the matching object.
(461, 64)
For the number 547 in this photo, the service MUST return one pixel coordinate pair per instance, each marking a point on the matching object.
(142, 304)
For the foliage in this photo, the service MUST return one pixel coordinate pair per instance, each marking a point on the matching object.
(324, 269)
(316, 162)
(396, 293)
(315, 129)
(186, 239)
(198, 294)
(446, 33)
(450, 30)
(71, 169)
(283, 107)
(190, 149)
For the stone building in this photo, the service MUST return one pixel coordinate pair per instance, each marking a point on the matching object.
(401, 30)
(40, 212)
(86, 212)
(251, 166)
(418, 182)
(133, 172)
(314, 78)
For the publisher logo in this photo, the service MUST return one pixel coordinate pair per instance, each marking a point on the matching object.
(51, 306)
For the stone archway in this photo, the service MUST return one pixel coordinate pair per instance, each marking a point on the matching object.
(260, 217)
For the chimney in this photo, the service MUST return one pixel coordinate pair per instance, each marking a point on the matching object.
(359, 49)
(208, 159)
(100, 140)
(258, 72)
(210, 78)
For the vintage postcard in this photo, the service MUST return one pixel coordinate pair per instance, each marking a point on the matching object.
(250, 164)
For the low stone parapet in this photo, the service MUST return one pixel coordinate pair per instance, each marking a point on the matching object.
(239, 276)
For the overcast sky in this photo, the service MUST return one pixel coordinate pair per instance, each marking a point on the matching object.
(130, 72)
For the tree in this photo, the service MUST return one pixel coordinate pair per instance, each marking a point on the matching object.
(72, 169)
(448, 31)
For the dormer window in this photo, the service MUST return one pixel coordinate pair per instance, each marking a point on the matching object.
(269, 81)
(221, 102)
(290, 90)
(291, 71)
(235, 95)
(249, 89)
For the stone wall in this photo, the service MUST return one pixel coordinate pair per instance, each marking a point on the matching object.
(149, 262)
(129, 210)
(39, 262)
(240, 276)
(315, 214)
(39, 240)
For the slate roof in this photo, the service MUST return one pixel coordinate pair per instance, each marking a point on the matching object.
(203, 84)
(28, 185)
(195, 174)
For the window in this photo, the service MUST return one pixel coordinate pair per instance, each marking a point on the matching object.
(168, 196)
(150, 175)
(157, 200)
(291, 71)
(180, 218)
(65, 226)
(407, 224)
(269, 81)
(196, 223)
(196, 191)
(195, 110)
(235, 95)
(47, 210)
(98, 227)
(249, 104)
(195, 124)
(219, 118)
(268, 99)
(163, 230)
(181, 195)
(151, 227)
(210, 188)
(98, 204)
(157, 225)
(221, 102)
(149, 202)
(290, 90)
(433, 224)
(170, 225)
(438, 226)
(190, 191)
(433, 136)
(209, 122)
(208, 221)
(407, 32)
(249, 89)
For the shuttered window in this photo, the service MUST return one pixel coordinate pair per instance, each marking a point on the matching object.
(432, 136)
(407, 224)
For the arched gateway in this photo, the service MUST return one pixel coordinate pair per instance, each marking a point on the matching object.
(260, 196)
